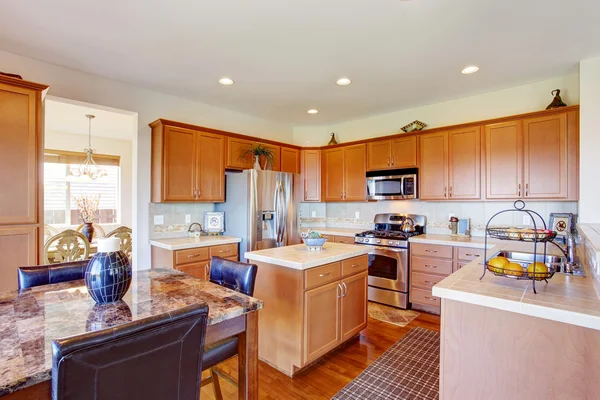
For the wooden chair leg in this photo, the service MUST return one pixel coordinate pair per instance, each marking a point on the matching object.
(216, 384)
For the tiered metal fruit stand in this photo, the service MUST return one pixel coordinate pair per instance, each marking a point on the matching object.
(534, 236)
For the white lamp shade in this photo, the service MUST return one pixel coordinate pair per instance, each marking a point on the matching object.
(109, 245)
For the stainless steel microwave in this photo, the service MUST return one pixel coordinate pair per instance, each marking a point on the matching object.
(392, 185)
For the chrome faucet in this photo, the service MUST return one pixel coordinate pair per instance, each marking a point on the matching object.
(195, 232)
(568, 251)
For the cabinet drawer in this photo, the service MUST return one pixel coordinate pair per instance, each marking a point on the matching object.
(468, 254)
(191, 255)
(431, 250)
(425, 281)
(330, 238)
(431, 265)
(199, 270)
(355, 265)
(344, 240)
(321, 275)
(421, 296)
(224, 250)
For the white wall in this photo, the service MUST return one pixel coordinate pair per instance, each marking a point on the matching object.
(589, 203)
(149, 105)
(72, 142)
(517, 100)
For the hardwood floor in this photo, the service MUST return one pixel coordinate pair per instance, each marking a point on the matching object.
(332, 372)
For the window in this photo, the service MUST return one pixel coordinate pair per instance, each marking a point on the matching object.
(59, 207)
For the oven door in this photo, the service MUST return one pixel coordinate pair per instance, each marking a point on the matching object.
(385, 187)
(388, 268)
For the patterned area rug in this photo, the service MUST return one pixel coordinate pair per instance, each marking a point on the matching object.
(409, 370)
(392, 315)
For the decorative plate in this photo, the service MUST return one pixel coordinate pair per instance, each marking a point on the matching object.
(214, 222)
(414, 126)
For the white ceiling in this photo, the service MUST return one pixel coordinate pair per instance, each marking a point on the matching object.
(285, 56)
(70, 118)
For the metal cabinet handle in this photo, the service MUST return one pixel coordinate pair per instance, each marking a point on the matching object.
(430, 251)
(430, 298)
(430, 283)
(355, 265)
(526, 189)
(345, 290)
(392, 161)
(339, 296)
(224, 251)
(430, 266)
(342, 195)
(445, 192)
(325, 274)
(450, 191)
(388, 161)
(471, 255)
(519, 189)
(193, 255)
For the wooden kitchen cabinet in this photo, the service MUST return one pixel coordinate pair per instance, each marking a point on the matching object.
(21, 175)
(276, 166)
(235, 148)
(290, 160)
(322, 324)
(433, 171)
(504, 159)
(344, 172)
(464, 164)
(392, 154)
(545, 157)
(354, 305)
(187, 165)
(311, 174)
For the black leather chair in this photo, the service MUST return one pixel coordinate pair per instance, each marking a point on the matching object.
(53, 273)
(153, 359)
(240, 277)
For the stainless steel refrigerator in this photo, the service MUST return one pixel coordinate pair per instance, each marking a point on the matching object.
(262, 207)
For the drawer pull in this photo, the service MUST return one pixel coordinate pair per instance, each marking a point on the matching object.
(324, 275)
(430, 266)
(471, 255)
(430, 251)
(430, 298)
(430, 283)
(224, 251)
(193, 255)
(355, 265)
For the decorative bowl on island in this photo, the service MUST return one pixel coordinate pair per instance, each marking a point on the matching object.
(313, 240)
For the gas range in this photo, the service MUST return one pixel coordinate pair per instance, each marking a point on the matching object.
(388, 232)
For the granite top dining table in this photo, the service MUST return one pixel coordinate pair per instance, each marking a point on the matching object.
(32, 318)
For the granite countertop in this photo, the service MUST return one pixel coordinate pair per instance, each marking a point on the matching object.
(182, 243)
(565, 298)
(346, 232)
(449, 240)
(31, 319)
(298, 256)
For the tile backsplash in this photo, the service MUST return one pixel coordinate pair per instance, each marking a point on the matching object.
(174, 218)
(343, 215)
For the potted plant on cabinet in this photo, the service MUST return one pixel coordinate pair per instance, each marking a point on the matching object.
(87, 206)
(263, 156)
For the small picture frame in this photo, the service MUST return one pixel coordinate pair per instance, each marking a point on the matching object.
(214, 222)
(562, 223)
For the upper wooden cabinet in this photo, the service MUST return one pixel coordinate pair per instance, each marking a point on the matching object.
(533, 158)
(344, 173)
(187, 165)
(392, 154)
(235, 148)
(276, 156)
(290, 160)
(311, 175)
(433, 172)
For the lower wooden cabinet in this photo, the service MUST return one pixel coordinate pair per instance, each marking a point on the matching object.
(19, 247)
(354, 305)
(322, 314)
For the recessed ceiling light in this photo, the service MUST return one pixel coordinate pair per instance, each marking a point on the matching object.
(313, 111)
(471, 69)
(343, 81)
(226, 81)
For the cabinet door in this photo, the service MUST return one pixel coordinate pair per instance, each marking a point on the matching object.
(211, 167)
(311, 174)
(379, 155)
(321, 320)
(235, 148)
(545, 157)
(18, 155)
(179, 164)
(199, 270)
(464, 164)
(333, 174)
(355, 187)
(18, 246)
(276, 150)
(404, 152)
(504, 159)
(354, 305)
(290, 160)
(433, 173)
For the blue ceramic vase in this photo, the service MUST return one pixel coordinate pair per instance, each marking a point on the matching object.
(108, 274)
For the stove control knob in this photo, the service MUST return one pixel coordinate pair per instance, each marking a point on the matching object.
(378, 242)
(359, 240)
(391, 243)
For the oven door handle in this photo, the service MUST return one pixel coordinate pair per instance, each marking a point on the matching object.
(402, 188)
(389, 249)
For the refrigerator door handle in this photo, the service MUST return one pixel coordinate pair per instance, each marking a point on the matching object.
(279, 214)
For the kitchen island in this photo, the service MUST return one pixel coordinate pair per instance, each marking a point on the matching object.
(500, 340)
(314, 301)
(32, 318)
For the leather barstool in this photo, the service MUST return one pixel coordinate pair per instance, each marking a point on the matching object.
(156, 358)
(53, 273)
(240, 277)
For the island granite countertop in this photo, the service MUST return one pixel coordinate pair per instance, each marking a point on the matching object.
(298, 256)
(32, 318)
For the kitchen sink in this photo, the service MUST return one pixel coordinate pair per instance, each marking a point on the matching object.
(556, 262)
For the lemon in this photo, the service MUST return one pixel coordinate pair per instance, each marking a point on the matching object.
(539, 270)
(513, 269)
(496, 264)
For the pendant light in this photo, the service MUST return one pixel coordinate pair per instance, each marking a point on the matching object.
(88, 170)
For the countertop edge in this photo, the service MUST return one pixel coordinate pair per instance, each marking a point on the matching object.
(458, 242)
(345, 232)
(166, 246)
(305, 265)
